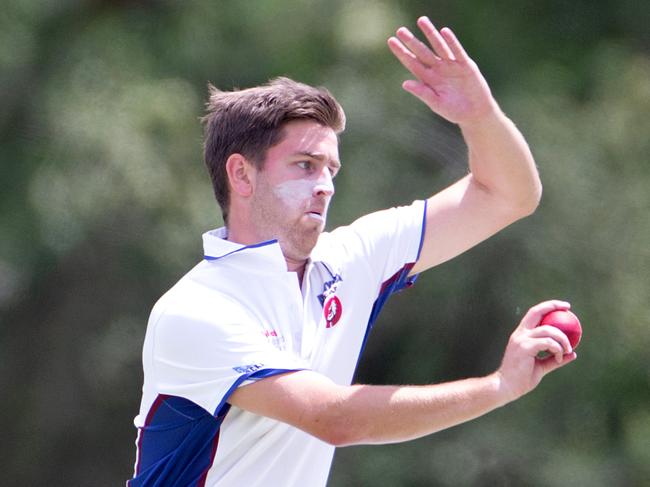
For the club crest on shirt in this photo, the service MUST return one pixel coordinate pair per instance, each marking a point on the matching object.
(332, 311)
(329, 288)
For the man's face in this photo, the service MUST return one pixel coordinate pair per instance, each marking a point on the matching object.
(294, 188)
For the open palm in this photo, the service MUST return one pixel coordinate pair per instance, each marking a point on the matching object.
(447, 80)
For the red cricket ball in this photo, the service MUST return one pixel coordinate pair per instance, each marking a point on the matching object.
(565, 321)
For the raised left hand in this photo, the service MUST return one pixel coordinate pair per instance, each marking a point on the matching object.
(447, 79)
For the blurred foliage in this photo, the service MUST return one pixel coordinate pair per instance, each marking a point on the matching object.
(104, 198)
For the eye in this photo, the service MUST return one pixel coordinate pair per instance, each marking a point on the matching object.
(304, 165)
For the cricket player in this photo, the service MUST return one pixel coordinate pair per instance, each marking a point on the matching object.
(248, 359)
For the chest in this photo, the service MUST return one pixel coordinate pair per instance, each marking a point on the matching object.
(324, 321)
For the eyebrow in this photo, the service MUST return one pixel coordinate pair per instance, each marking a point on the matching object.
(319, 156)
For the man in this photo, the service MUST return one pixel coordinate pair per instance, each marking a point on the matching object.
(248, 359)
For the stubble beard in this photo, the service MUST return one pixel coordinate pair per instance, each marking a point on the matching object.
(274, 220)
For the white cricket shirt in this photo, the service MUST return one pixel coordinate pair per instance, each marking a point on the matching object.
(239, 316)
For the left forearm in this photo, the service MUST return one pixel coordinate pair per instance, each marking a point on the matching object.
(500, 160)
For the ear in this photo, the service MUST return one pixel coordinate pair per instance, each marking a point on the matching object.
(241, 175)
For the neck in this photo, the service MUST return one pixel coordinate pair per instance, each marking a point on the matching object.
(297, 266)
(241, 234)
(244, 236)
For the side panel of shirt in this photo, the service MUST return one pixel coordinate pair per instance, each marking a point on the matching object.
(200, 345)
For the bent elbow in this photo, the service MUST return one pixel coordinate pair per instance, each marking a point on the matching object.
(340, 431)
(334, 440)
(338, 435)
(533, 200)
(527, 205)
(345, 440)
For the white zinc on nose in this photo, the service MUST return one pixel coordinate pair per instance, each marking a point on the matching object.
(325, 183)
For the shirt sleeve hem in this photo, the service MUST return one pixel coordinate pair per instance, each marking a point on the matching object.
(254, 376)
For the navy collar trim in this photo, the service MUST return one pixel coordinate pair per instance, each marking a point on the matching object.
(245, 247)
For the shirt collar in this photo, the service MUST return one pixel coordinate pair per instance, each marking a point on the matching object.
(215, 247)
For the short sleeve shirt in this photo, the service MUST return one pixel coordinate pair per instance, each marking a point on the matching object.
(239, 316)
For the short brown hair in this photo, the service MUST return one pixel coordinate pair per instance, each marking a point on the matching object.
(250, 121)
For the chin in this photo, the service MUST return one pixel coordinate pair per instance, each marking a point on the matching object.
(300, 249)
(306, 247)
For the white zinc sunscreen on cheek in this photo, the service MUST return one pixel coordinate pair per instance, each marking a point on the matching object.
(295, 193)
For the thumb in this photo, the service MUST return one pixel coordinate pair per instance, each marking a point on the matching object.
(422, 91)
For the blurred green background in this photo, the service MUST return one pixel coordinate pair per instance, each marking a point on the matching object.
(104, 197)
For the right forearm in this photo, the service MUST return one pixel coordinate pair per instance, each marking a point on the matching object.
(387, 414)
(349, 415)
(365, 414)
(390, 414)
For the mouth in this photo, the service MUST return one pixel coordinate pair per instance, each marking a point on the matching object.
(316, 215)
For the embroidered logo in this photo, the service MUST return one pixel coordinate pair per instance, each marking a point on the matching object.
(329, 288)
(332, 311)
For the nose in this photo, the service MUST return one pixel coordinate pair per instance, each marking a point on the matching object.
(325, 185)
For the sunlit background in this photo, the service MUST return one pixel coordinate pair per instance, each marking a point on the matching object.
(104, 197)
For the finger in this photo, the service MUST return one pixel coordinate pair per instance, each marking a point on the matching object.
(551, 365)
(535, 314)
(455, 45)
(544, 344)
(406, 57)
(551, 345)
(422, 91)
(554, 333)
(417, 47)
(437, 42)
(543, 348)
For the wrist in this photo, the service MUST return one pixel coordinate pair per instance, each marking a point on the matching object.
(487, 118)
(503, 392)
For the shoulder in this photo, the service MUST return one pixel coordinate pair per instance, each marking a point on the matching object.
(362, 235)
(196, 304)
